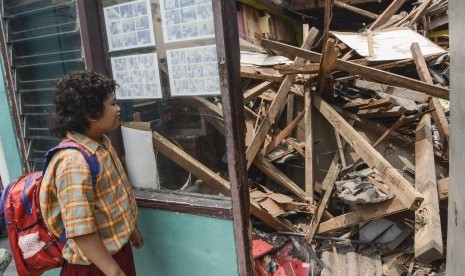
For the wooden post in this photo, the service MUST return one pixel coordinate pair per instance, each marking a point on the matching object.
(428, 235)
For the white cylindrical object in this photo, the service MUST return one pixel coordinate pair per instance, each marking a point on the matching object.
(3, 166)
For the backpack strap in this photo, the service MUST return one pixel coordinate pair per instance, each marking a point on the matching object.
(90, 159)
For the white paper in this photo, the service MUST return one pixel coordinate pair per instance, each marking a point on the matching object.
(138, 76)
(129, 25)
(193, 71)
(187, 19)
(389, 45)
(140, 157)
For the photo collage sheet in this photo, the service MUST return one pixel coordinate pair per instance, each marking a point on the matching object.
(194, 70)
(130, 26)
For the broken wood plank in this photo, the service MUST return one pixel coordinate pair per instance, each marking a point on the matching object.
(397, 124)
(371, 50)
(253, 72)
(253, 93)
(308, 68)
(420, 12)
(356, 10)
(391, 90)
(283, 134)
(420, 63)
(328, 186)
(275, 174)
(190, 164)
(328, 59)
(396, 182)
(309, 185)
(395, 111)
(327, 20)
(428, 234)
(438, 112)
(363, 71)
(276, 106)
(367, 213)
(368, 103)
(387, 14)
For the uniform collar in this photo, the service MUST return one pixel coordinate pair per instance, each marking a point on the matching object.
(88, 143)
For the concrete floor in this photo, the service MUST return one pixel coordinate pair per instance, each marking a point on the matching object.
(11, 270)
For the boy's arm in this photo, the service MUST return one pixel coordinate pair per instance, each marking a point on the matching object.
(93, 248)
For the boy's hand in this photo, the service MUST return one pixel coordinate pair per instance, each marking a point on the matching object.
(136, 238)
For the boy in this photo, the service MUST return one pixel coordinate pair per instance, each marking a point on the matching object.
(99, 220)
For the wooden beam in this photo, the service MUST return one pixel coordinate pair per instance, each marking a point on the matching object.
(328, 59)
(397, 124)
(327, 186)
(356, 10)
(367, 213)
(283, 134)
(438, 112)
(276, 106)
(190, 164)
(253, 93)
(309, 181)
(363, 71)
(387, 14)
(420, 12)
(403, 190)
(428, 234)
(371, 50)
(420, 63)
(327, 20)
(275, 174)
(310, 68)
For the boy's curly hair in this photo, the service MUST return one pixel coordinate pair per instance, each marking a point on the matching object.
(79, 95)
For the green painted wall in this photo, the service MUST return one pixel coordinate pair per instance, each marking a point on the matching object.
(183, 244)
(7, 133)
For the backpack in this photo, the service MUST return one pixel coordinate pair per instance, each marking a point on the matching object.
(34, 248)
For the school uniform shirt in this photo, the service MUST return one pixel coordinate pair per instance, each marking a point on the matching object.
(69, 201)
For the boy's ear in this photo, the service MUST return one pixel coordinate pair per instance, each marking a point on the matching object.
(91, 119)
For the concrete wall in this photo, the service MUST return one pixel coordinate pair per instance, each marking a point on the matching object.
(8, 139)
(456, 210)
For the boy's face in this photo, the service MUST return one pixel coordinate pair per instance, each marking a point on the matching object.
(110, 117)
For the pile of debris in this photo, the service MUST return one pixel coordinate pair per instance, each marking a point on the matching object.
(369, 198)
(352, 179)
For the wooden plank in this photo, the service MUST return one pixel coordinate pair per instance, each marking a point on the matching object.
(394, 91)
(428, 234)
(403, 190)
(189, 163)
(356, 10)
(283, 134)
(397, 124)
(387, 14)
(371, 50)
(328, 59)
(295, 146)
(368, 103)
(328, 185)
(260, 74)
(367, 213)
(363, 71)
(279, 177)
(327, 20)
(253, 93)
(420, 12)
(309, 180)
(314, 4)
(420, 63)
(276, 106)
(395, 111)
(308, 68)
(374, 211)
(438, 112)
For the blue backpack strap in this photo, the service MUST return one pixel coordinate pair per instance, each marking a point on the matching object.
(91, 160)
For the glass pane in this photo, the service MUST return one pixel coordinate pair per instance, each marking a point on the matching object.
(45, 44)
(172, 85)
